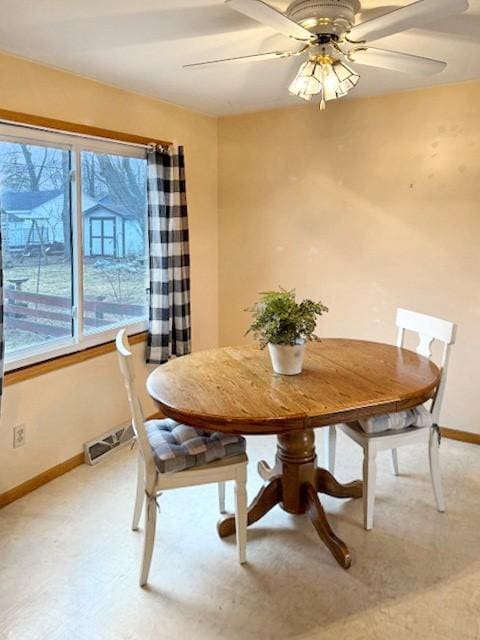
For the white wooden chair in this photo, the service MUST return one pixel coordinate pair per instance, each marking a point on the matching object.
(428, 329)
(151, 482)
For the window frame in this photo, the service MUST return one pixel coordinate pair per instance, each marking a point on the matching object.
(75, 144)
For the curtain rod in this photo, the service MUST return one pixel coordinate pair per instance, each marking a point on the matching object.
(51, 124)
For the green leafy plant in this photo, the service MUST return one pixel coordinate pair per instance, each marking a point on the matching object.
(279, 319)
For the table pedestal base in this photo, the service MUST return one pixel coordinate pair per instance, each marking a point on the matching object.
(296, 489)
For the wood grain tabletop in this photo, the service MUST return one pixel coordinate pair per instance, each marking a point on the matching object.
(233, 389)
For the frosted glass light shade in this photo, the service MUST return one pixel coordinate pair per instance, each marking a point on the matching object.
(323, 75)
(306, 82)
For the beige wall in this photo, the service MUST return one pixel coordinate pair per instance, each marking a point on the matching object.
(371, 205)
(64, 409)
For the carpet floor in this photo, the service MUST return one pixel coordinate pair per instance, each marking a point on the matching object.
(69, 562)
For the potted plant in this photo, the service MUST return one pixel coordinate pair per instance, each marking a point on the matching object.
(285, 326)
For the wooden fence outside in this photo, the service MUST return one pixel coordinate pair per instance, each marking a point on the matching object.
(28, 311)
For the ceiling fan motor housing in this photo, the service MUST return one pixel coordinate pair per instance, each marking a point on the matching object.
(325, 17)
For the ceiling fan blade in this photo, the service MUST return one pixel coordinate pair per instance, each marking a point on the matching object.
(256, 57)
(264, 13)
(396, 61)
(409, 17)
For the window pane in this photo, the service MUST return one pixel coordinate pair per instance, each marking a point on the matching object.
(35, 213)
(108, 247)
(96, 228)
(108, 228)
(96, 247)
(114, 239)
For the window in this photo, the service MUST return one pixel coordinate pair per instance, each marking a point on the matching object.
(73, 219)
(114, 239)
(103, 237)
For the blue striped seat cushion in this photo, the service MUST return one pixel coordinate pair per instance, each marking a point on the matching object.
(177, 446)
(416, 417)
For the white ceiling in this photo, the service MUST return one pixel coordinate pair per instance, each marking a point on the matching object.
(141, 45)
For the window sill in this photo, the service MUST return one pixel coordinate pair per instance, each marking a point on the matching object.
(47, 366)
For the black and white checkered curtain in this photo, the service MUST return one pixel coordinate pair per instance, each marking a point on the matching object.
(170, 327)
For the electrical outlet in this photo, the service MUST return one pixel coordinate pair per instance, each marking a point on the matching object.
(19, 435)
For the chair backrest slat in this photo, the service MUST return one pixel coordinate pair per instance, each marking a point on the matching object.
(428, 328)
(125, 360)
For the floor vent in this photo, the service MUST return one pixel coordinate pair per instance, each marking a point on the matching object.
(98, 449)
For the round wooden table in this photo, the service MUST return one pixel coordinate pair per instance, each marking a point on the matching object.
(234, 390)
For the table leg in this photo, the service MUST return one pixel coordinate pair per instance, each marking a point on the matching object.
(296, 490)
(267, 498)
(326, 483)
(337, 547)
(266, 472)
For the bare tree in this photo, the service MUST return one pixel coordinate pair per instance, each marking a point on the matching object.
(35, 168)
(66, 208)
(120, 178)
(34, 171)
(89, 178)
(122, 183)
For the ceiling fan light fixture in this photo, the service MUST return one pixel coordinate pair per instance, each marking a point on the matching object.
(330, 31)
(306, 83)
(309, 23)
(323, 75)
(347, 77)
(344, 72)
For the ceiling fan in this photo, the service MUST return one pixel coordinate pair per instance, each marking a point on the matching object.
(330, 40)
